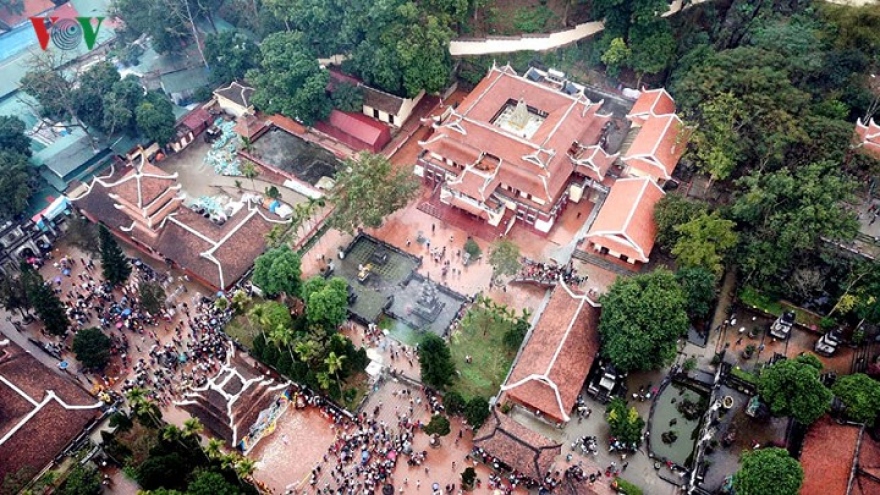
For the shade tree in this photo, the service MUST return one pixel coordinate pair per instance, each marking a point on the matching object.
(114, 264)
(861, 395)
(435, 361)
(92, 348)
(367, 190)
(792, 388)
(643, 316)
(770, 471)
(278, 271)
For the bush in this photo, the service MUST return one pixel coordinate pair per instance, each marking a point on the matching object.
(476, 412)
(472, 248)
(439, 425)
(454, 403)
(468, 476)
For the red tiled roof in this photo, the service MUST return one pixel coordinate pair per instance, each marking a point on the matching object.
(625, 223)
(288, 124)
(529, 453)
(35, 442)
(32, 8)
(556, 359)
(188, 239)
(652, 102)
(656, 148)
(356, 130)
(827, 457)
(869, 136)
(568, 119)
(197, 120)
(142, 188)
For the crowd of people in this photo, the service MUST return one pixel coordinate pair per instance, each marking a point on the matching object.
(164, 354)
(548, 273)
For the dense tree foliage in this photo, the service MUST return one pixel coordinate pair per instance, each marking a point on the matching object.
(278, 271)
(698, 285)
(768, 471)
(861, 395)
(642, 318)
(230, 54)
(792, 388)
(92, 348)
(45, 302)
(12, 136)
(326, 301)
(153, 297)
(635, 35)
(114, 263)
(82, 480)
(290, 81)
(704, 241)
(785, 215)
(435, 360)
(671, 211)
(15, 184)
(624, 422)
(367, 190)
(155, 118)
(476, 412)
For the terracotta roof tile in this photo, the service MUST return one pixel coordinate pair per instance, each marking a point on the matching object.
(529, 453)
(561, 348)
(867, 480)
(567, 119)
(36, 442)
(356, 130)
(657, 144)
(627, 218)
(827, 457)
(654, 102)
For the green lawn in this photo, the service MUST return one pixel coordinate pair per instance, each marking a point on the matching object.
(241, 329)
(751, 297)
(481, 337)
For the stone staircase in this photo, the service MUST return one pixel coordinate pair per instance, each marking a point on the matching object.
(601, 262)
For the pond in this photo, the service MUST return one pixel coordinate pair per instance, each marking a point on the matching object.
(675, 421)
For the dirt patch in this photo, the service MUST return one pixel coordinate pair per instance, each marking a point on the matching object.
(512, 17)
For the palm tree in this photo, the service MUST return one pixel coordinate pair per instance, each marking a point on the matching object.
(246, 144)
(192, 428)
(141, 406)
(214, 449)
(171, 433)
(282, 337)
(249, 171)
(334, 365)
(323, 380)
(244, 468)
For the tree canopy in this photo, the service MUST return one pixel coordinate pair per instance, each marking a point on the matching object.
(784, 215)
(155, 118)
(792, 388)
(435, 360)
(230, 54)
(114, 263)
(504, 257)
(698, 285)
(278, 270)
(625, 423)
(290, 81)
(861, 394)
(82, 481)
(642, 318)
(45, 302)
(768, 471)
(671, 211)
(15, 184)
(476, 411)
(12, 136)
(92, 348)
(367, 190)
(326, 301)
(704, 241)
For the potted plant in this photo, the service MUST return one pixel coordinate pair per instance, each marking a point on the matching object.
(468, 478)
(749, 351)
